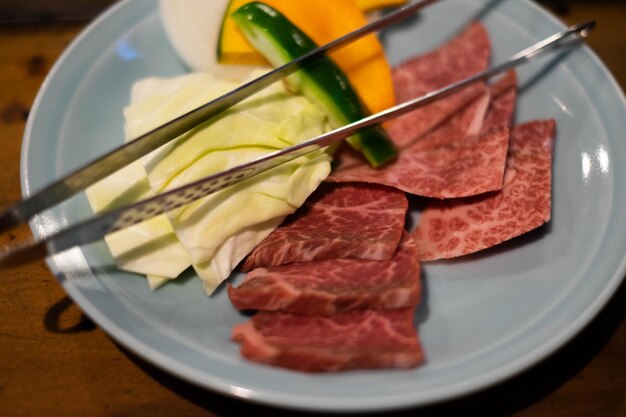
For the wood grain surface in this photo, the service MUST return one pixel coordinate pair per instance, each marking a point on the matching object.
(55, 362)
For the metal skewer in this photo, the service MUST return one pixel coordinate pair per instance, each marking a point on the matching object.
(108, 222)
(118, 158)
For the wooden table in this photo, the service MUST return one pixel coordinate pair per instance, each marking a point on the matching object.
(55, 362)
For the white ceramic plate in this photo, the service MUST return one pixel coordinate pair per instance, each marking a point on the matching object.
(483, 318)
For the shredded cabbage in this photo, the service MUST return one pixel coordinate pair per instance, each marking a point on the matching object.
(215, 233)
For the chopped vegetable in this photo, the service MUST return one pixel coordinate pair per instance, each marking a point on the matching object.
(193, 27)
(363, 61)
(367, 5)
(322, 81)
(150, 247)
(212, 234)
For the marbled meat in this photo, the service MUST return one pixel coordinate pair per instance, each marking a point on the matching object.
(466, 167)
(333, 286)
(361, 221)
(458, 227)
(447, 162)
(463, 56)
(359, 339)
(502, 106)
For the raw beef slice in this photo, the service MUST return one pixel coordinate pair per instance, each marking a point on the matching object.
(352, 167)
(360, 339)
(338, 221)
(502, 106)
(333, 286)
(465, 167)
(458, 227)
(465, 55)
(416, 171)
(466, 122)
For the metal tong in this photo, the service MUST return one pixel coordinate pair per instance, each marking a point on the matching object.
(108, 222)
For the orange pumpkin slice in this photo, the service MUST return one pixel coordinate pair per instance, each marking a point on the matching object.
(367, 5)
(363, 61)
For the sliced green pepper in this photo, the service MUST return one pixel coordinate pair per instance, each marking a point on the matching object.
(322, 81)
